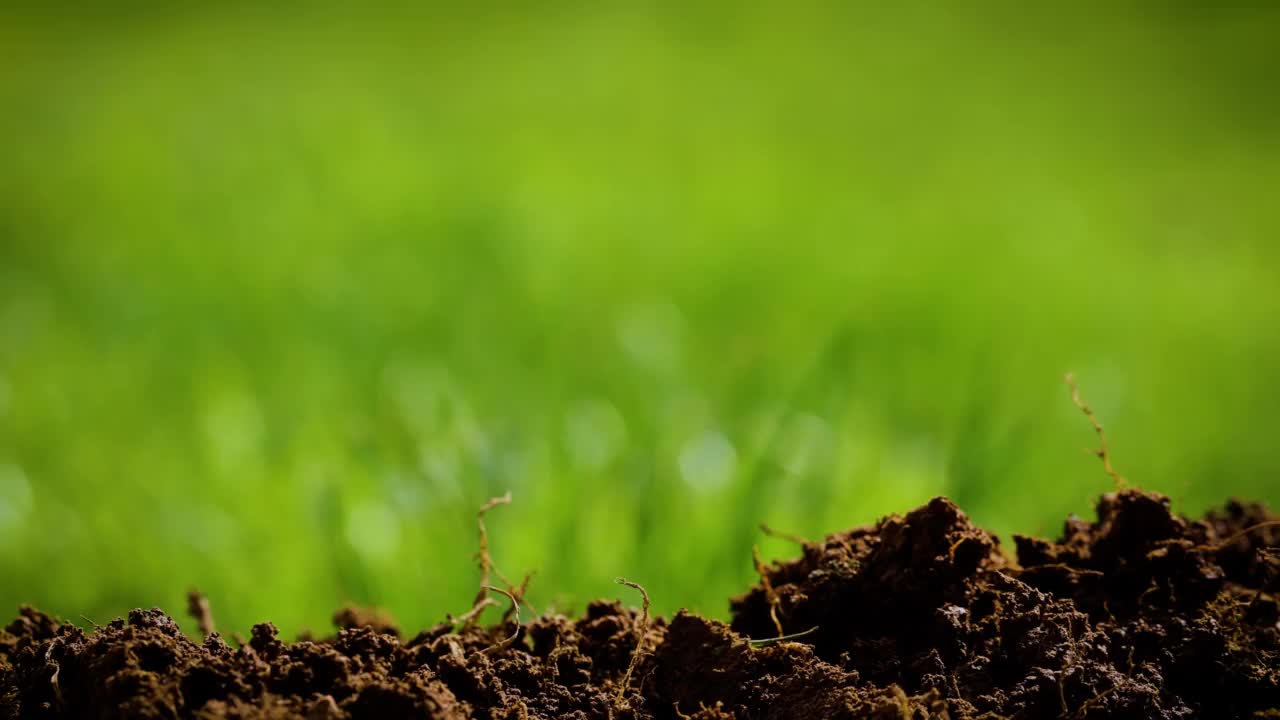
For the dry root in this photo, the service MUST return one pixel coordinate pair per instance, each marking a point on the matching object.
(485, 561)
(770, 594)
(765, 642)
(57, 670)
(1252, 528)
(515, 606)
(468, 618)
(791, 537)
(640, 627)
(519, 591)
(198, 608)
(1102, 452)
(483, 558)
(488, 570)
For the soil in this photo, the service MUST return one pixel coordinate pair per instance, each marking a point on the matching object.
(1138, 614)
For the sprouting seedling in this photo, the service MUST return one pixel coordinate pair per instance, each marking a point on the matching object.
(638, 631)
(515, 605)
(781, 535)
(770, 594)
(198, 608)
(1102, 451)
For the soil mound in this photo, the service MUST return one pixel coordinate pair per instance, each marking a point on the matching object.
(1139, 614)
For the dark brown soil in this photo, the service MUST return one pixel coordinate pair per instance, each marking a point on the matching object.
(1140, 614)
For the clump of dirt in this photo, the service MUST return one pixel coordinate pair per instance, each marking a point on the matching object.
(1141, 613)
(1138, 614)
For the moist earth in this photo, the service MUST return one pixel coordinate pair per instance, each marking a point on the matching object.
(1141, 613)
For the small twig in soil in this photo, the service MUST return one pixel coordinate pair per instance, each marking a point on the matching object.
(198, 609)
(766, 642)
(638, 631)
(507, 642)
(1103, 453)
(770, 594)
(781, 535)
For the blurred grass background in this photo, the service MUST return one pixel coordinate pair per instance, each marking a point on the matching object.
(287, 291)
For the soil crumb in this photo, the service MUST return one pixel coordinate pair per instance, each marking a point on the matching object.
(1140, 613)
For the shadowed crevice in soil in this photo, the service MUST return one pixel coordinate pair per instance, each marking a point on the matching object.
(1138, 614)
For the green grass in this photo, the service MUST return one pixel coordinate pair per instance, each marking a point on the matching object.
(286, 294)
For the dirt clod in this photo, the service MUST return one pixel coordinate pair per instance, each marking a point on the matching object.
(1140, 613)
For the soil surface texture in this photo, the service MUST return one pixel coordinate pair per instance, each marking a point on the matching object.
(1139, 614)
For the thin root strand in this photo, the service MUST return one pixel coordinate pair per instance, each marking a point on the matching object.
(765, 642)
(198, 608)
(639, 630)
(770, 594)
(469, 617)
(1102, 452)
(1252, 528)
(510, 640)
(519, 592)
(782, 535)
(484, 559)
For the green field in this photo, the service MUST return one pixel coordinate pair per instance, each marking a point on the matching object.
(286, 293)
